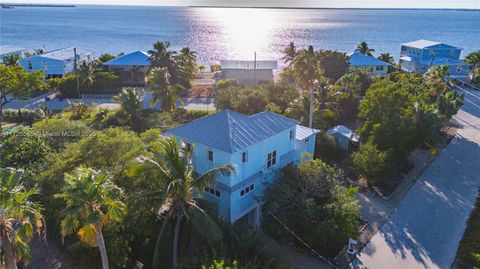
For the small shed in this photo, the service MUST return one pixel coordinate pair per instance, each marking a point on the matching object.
(344, 136)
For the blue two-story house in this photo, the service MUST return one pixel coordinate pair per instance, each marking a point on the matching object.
(258, 146)
(419, 56)
(56, 63)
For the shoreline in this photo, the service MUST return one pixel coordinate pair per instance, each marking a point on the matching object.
(8, 5)
(328, 8)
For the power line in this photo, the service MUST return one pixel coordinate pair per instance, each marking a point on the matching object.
(301, 241)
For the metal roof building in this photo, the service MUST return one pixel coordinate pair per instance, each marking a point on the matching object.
(136, 58)
(231, 131)
(248, 65)
(423, 43)
(358, 59)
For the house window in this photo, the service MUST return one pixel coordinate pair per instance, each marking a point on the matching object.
(212, 191)
(459, 68)
(44, 65)
(271, 159)
(244, 157)
(378, 68)
(291, 134)
(307, 139)
(247, 189)
(30, 65)
(452, 52)
(210, 155)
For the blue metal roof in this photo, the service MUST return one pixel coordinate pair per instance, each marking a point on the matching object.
(139, 58)
(422, 44)
(358, 59)
(231, 131)
(304, 132)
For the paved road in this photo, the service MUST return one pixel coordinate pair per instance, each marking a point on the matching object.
(425, 229)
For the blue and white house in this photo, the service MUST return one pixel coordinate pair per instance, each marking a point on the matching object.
(258, 146)
(9, 50)
(419, 56)
(374, 66)
(131, 67)
(56, 63)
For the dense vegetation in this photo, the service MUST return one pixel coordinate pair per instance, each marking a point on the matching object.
(116, 192)
(310, 200)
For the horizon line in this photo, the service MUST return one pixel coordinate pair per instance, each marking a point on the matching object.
(26, 4)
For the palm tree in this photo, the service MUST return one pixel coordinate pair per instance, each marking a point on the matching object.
(308, 71)
(436, 79)
(19, 217)
(185, 67)
(11, 60)
(364, 49)
(289, 53)
(160, 56)
(180, 204)
(474, 59)
(92, 200)
(130, 100)
(87, 73)
(386, 57)
(163, 90)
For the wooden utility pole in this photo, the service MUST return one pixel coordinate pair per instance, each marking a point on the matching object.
(76, 70)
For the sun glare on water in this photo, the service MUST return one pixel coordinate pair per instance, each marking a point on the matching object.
(241, 32)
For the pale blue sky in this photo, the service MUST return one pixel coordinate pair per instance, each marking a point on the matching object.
(473, 4)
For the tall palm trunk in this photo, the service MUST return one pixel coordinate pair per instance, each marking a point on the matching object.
(101, 247)
(310, 113)
(175, 243)
(7, 248)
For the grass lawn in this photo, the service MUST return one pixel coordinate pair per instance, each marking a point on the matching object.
(468, 253)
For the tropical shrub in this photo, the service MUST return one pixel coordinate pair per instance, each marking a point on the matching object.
(106, 82)
(26, 116)
(59, 132)
(312, 203)
(327, 150)
(68, 86)
(23, 149)
(371, 162)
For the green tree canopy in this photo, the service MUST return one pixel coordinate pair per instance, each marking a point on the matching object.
(312, 203)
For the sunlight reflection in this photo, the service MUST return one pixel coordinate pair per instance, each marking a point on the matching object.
(244, 30)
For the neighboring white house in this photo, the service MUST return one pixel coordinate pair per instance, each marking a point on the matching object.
(419, 56)
(371, 64)
(131, 67)
(258, 146)
(248, 72)
(8, 50)
(56, 63)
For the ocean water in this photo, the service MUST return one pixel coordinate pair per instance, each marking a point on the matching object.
(233, 33)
